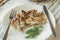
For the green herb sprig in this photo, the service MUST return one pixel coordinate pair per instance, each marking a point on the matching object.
(32, 33)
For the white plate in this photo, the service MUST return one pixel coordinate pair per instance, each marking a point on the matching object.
(16, 35)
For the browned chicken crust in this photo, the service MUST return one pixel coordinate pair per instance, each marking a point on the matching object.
(28, 19)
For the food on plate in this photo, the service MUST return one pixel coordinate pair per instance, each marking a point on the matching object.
(33, 32)
(31, 20)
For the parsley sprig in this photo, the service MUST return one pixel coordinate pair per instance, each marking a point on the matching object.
(32, 33)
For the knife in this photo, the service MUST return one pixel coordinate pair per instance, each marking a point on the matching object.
(51, 25)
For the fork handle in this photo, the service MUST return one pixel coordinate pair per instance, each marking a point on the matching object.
(6, 33)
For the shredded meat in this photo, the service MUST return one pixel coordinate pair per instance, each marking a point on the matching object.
(28, 18)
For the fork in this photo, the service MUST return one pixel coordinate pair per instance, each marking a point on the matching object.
(13, 14)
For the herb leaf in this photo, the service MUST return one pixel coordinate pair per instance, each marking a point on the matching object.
(33, 32)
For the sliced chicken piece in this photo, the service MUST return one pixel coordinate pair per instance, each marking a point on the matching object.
(28, 20)
(30, 17)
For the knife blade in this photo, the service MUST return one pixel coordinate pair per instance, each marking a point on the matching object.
(51, 25)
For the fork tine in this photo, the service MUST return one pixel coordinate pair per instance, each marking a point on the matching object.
(13, 13)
